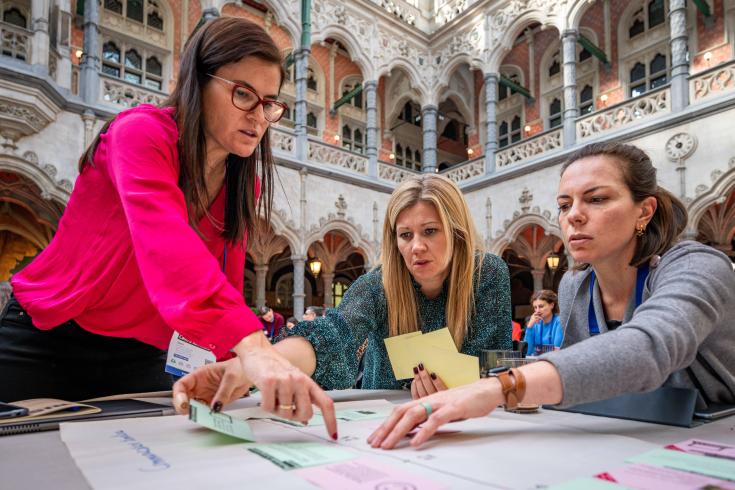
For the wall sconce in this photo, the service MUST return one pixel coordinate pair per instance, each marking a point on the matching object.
(470, 151)
(708, 57)
(603, 97)
(315, 266)
(527, 128)
(336, 137)
(552, 261)
(392, 156)
(79, 53)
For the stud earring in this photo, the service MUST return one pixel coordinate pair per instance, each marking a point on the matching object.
(640, 230)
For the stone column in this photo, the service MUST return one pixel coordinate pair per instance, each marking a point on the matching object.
(491, 108)
(90, 74)
(370, 89)
(298, 285)
(301, 65)
(679, 63)
(327, 278)
(261, 271)
(569, 59)
(40, 43)
(428, 124)
(63, 30)
(538, 279)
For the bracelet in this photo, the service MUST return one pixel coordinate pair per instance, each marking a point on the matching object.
(516, 394)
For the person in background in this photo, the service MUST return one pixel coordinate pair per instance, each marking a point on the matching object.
(313, 312)
(433, 274)
(271, 320)
(517, 332)
(641, 309)
(291, 322)
(153, 242)
(543, 330)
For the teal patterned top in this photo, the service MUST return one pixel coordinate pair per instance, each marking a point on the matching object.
(362, 314)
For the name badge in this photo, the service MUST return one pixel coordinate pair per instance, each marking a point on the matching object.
(184, 356)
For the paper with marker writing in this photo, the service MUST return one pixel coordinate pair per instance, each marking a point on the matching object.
(364, 474)
(706, 448)
(290, 456)
(588, 484)
(694, 463)
(220, 422)
(645, 477)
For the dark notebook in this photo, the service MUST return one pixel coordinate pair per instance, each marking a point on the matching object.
(109, 409)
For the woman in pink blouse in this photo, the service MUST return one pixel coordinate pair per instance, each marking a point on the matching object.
(153, 240)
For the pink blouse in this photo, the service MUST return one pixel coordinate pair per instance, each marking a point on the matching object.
(126, 263)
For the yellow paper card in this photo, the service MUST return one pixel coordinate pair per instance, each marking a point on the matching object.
(453, 368)
(399, 352)
(438, 338)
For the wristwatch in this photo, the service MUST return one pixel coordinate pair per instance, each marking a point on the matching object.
(512, 383)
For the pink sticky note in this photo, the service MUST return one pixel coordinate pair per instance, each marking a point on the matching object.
(644, 477)
(364, 474)
(705, 448)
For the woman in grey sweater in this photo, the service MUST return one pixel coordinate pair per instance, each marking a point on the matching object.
(640, 310)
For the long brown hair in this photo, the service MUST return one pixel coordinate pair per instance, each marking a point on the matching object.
(639, 175)
(462, 243)
(219, 42)
(549, 296)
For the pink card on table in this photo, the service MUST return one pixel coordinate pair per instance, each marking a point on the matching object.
(704, 448)
(645, 477)
(364, 474)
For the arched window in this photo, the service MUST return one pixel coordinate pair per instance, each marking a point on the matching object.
(555, 113)
(586, 100)
(357, 100)
(284, 291)
(647, 17)
(130, 67)
(555, 66)
(311, 82)
(505, 92)
(451, 130)
(399, 154)
(503, 134)
(114, 6)
(648, 76)
(339, 288)
(311, 120)
(15, 17)
(135, 10)
(411, 113)
(353, 139)
(515, 129)
(509, 131)
(584, 55)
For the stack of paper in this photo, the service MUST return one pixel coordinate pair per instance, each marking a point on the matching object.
(437, 352)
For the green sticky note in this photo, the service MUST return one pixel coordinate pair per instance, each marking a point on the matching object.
(294, 455)
(587, 484)
(354, 415)
(693, 463)
(220, 422)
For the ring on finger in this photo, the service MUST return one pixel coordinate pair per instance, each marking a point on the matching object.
(427, 409)
(291, 407)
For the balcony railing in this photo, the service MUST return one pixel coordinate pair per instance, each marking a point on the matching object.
(713, 82)
(16, 42)
(394, 173)
(124, 94)
(631, 111)
(282, 140)
(466, 170)
(531, 147)
(319, 152)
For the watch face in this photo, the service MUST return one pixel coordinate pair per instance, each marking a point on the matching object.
(497, 370)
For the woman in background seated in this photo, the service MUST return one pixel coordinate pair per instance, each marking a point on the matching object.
(432, 276)
(544, 331)
(641, 310)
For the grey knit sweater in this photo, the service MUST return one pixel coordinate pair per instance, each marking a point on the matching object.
(687, 318)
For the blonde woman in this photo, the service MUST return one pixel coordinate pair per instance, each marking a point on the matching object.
(433, 274)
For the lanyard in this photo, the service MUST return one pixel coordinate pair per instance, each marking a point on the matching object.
(640, 283)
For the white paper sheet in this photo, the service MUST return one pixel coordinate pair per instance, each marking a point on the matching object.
(496, 452)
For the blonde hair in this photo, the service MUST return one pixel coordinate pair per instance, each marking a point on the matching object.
(462, 244)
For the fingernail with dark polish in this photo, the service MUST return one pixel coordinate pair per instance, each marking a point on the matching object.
(421, 366)
(415, 370)
(433, 375)
(334, 436)
(217, 406)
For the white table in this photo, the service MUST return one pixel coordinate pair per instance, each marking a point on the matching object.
(41, 460)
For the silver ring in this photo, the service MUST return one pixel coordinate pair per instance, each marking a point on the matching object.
(427, 409)
(291, 407)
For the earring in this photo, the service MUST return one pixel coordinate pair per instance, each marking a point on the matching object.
(640, 230)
